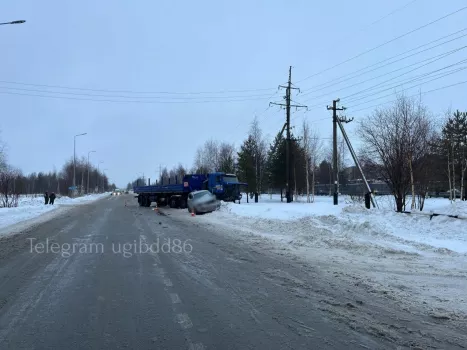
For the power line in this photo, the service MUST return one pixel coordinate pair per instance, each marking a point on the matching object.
(392, 94)
(385, 43)
(439, 77)
(392, 12)
(401, 75)
(131, 101)
(399, 83)
(363, 28)
(134, 92)
(365, 71)
(414, 95)
(263, 113)
(129, 97)
(377, 21)
(431, 59)
(419, 77)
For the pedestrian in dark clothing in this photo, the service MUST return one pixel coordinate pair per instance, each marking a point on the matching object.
(52, 198)
(46, 197)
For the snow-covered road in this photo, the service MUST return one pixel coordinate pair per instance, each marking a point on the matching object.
(419, 262)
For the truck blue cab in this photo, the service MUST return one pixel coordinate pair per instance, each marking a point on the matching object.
(224, 186)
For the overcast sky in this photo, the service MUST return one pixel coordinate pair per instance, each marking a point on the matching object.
(134, 50)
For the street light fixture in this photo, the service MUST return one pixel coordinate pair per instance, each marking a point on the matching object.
(87, 187)
(13, 22)
(74, 161)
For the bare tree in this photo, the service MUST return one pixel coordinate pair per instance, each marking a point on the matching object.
(260, 153)
(7, 178)
(180, 171)
(315, 152)
(207, 157)
(226, 157)
(164, 176)
(392, 136)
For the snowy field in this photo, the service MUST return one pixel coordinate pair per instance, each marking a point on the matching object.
(408, 258)
(32, 207)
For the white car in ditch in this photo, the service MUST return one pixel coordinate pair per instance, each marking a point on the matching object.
(202, 202)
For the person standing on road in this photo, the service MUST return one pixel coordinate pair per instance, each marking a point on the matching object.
(46, 197)
(52, 198)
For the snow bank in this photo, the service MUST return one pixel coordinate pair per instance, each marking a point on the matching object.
(350, 220)
(32, 207)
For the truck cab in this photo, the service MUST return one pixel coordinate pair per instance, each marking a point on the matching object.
(225, 186)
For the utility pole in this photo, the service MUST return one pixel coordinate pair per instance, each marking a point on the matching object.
(355, 158)
(334, 148)
(288, 105)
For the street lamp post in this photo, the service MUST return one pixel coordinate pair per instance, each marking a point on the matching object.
(74, 161)
(87, 187)
(13, 22)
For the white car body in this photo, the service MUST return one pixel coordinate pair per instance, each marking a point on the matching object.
(202, 202)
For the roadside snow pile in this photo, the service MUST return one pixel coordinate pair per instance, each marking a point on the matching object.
(273, 208)
(32, 207)
(350, 224)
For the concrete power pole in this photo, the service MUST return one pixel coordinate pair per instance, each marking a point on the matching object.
(288, 105)
(335, 171)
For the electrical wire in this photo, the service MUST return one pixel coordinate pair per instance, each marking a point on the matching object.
(133, 92)
(420, 77)
(398, 83)
(131, 101)
(365, 71)
(385, 43)
(437, 77)
(431, 59)
(129, 97)
(392, 94)
(414, 95)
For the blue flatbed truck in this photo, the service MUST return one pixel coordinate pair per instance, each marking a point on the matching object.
(224, 186)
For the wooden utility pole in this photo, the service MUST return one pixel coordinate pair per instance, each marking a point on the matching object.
(287, 106)
(335, 171)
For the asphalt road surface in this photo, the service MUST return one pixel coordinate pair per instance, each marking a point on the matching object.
(107, 275)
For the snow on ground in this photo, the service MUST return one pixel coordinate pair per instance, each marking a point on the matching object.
(30, 207)
(405, 257)
(413, 232)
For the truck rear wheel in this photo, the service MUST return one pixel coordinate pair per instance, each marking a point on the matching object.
(173, 202)
(182, 203)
